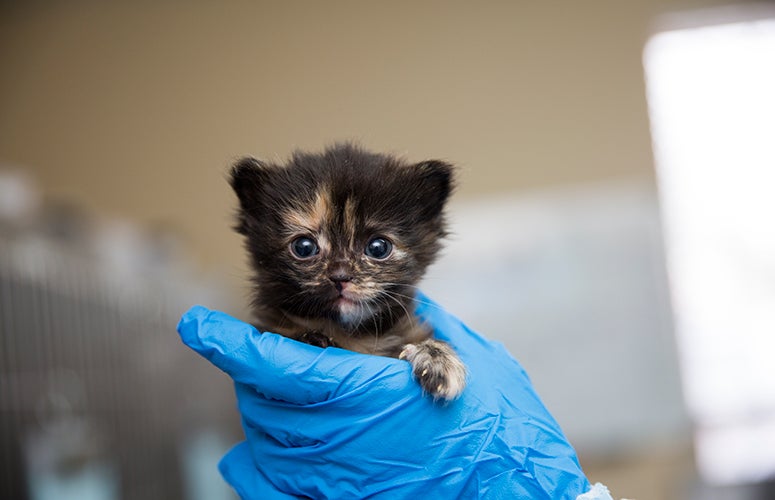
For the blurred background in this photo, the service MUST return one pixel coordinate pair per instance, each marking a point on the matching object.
(612, 225)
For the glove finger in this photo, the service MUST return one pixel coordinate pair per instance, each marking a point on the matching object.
(340, 469)
(296, 425)
(250, 483)
(281, 420)
(278, 367)
(288, 466)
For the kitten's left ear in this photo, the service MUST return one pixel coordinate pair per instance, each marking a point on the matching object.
(436, 182)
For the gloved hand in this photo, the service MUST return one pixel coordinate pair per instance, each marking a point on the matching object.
(330, 423)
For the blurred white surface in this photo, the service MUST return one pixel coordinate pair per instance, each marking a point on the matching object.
(712, 107)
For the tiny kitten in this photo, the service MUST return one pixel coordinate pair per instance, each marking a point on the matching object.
(338, 242)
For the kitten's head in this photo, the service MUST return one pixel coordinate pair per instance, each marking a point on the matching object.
(343, 235)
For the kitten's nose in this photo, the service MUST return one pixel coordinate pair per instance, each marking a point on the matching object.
(340, 280)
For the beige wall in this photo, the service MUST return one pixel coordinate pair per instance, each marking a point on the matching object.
(137, 109)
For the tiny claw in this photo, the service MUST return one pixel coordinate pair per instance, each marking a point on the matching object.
(402, 355)
(440, 388)
(424, 372)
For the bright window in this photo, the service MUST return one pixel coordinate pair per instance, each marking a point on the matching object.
(711, 93)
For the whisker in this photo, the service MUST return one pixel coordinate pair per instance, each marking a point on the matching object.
(390, 295)
(414, 298)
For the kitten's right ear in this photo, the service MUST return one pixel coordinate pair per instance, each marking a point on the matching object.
(435, 180)
(248, 179)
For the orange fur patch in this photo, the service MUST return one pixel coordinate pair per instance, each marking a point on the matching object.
(312, 217)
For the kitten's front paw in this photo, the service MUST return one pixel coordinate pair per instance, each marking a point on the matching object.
(436, 366)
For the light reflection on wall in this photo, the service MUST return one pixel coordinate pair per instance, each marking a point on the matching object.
(712, 107)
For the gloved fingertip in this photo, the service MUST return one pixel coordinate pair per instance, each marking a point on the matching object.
(236, 458)
(236, 468)
(188, 326)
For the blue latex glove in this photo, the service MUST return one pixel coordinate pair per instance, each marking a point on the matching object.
(330, 423)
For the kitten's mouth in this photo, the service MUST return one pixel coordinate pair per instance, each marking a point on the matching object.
(352, 310)
(346, 300)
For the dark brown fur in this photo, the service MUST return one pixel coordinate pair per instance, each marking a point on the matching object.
(341, 200)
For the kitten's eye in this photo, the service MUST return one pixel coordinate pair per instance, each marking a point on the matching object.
(378, 248)
(304, 247)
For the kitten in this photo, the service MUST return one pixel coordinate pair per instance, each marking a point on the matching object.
(338, 242)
